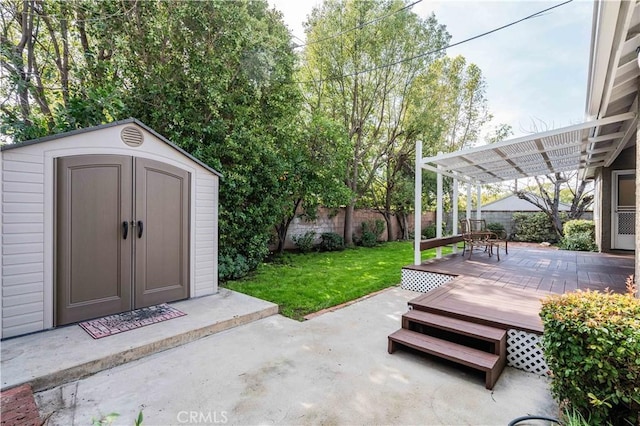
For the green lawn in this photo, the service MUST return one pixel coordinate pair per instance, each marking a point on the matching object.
(304, 283)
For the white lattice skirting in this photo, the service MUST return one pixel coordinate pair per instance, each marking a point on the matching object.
(422, 281)
(525, 352)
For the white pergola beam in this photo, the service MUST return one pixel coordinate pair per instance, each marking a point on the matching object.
(606, 137)
(631, 131)
(529, 138)
(444, 172)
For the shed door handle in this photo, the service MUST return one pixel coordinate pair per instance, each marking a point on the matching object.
(140, 227)
(125, 229)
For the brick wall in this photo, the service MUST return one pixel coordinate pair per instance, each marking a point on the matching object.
(332, 220)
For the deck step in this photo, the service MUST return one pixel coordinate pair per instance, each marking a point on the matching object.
(491, 364)
(455, 325)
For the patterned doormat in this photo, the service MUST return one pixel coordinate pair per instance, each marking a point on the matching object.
(119, 323)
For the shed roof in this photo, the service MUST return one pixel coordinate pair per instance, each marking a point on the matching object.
(105, 126)
(512, 203)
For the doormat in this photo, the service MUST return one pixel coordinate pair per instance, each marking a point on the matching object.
(119, 323)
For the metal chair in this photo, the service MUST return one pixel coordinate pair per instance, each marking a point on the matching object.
(473, 238)
(499, 238)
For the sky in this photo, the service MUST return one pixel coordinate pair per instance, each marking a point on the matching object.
(536, 71)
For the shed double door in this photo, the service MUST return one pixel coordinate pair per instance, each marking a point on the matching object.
(122, 235)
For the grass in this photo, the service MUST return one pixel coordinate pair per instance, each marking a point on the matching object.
(305, 283)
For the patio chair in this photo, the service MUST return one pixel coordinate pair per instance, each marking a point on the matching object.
(498, 238)
(478, 239)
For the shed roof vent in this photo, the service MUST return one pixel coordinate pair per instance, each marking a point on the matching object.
(132, 136)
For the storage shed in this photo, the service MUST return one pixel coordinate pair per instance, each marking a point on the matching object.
(100, 221)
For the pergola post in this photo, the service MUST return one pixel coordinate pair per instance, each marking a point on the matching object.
(417, 213)
(454, 206)
(468, 200)
(478, 201)
(439, 210)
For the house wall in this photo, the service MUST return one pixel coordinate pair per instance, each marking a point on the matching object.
(28, 223)
(625, 161)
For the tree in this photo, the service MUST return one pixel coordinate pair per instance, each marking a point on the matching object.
(214, 77)
(54, 76)
(231, 102)
(548, 190)
(499, 133)
(315, 175)
(546, 194)
(358, 70)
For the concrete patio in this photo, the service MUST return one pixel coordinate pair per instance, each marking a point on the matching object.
(332, 369)
(54, 357)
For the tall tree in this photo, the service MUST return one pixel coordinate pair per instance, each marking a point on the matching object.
(54, 76)
(446, 108)
(361, 59)
(214, 77)
(231, 102)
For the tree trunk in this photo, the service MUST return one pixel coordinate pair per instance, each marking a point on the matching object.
(387, 218)
(403, 224)
(348, 223)
(282, 229)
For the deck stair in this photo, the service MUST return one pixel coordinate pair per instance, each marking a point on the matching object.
(478, 346)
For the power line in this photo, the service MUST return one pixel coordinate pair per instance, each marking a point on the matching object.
(373, 21)
(440, 49)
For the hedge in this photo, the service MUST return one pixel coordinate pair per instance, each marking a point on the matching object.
(591, 343)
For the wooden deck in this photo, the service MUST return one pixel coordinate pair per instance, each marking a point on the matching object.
(508, 293)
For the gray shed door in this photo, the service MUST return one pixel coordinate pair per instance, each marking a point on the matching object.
(122, 235)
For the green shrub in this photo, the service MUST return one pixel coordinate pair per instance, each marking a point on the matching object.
(579, 235)
(304, 242)
(232, 267)
(581, 241)
(429, 231)
(533, 227)
(578, 226)
(498, 229)
(331, 242)
(233, 264)
(591, 343)
(371, 232)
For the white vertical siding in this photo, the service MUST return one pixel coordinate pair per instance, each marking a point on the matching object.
(22, 243)
(206, 235)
